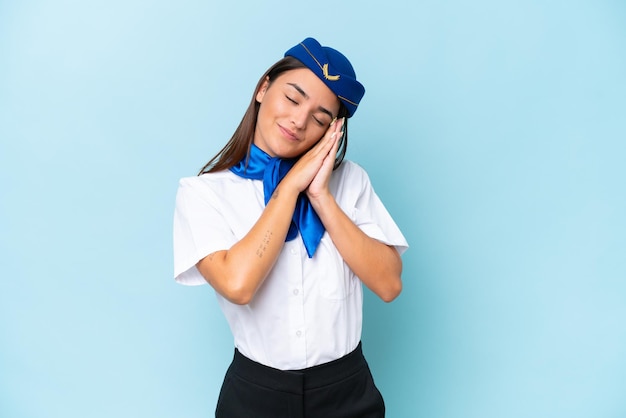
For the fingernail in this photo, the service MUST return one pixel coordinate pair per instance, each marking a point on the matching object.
(333, 121)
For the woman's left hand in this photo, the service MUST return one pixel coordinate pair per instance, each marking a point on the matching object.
(318, 189)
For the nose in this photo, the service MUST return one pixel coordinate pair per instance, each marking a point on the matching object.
(299, 117)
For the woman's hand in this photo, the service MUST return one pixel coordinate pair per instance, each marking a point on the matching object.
(316, 165)
(377, 265)
(238, 272)
(318, 188)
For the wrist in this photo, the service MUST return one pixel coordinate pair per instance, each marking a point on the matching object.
(321, 201)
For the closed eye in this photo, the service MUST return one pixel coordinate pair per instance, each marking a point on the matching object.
(306, 96)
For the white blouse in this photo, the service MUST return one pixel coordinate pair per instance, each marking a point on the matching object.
(308, 311)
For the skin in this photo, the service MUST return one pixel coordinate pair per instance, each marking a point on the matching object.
(296, 118)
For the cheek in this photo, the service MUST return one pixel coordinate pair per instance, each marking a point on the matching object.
(315, 133)
(271, 104)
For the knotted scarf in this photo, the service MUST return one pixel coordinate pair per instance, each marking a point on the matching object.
(272, 170)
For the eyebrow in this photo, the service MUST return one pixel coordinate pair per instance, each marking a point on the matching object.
(306, 96)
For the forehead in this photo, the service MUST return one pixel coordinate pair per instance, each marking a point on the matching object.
(312, 86)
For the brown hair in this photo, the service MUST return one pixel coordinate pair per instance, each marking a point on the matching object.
(239, 145)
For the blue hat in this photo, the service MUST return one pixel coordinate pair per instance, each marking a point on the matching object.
(333, 68)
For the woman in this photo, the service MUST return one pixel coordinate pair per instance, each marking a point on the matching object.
(285, 231)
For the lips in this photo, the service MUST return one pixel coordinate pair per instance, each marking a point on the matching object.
(288, 134)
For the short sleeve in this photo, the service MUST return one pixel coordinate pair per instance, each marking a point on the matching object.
(371, 215)
(199, 229)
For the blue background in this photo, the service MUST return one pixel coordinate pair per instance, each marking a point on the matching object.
(494, 131)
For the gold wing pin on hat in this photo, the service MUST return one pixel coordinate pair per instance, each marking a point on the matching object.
(327, 76)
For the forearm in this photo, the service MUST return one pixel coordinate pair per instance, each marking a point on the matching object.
(378, 265)
(237, 273)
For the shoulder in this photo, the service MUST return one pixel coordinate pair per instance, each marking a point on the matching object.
(206, 179)
(349, 171)
(213, 186)
(349, 182)
(215, 181)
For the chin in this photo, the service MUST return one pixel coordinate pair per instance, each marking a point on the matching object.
(287, 152)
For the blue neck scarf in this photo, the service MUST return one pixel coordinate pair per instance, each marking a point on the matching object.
(272, 170)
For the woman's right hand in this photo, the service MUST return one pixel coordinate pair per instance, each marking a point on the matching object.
(304, 171)
(238, 272)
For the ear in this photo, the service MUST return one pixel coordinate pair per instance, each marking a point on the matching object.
(261, 93)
